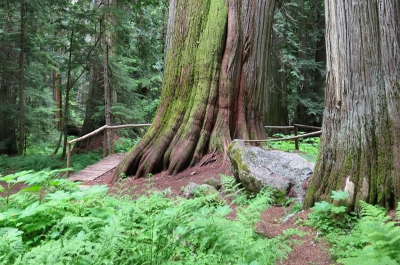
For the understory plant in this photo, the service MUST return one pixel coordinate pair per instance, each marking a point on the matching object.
(64, 223)
(307, 146)
(373, 238)
(378, 235)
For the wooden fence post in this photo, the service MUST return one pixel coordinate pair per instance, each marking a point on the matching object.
(68, 158)
(105, 145)
(296, 140)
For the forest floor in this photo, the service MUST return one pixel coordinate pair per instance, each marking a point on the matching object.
(311, 250)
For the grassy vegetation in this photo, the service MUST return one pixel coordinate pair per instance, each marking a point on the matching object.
(307, 146)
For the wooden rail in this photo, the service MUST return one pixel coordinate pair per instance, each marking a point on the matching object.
(105, 127)
(295, 137)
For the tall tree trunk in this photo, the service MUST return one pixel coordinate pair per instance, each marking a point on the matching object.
(359, 150)
(276, 111)
(57, 97)
(8, 112)
(21, 146)
(105, 44)
(96, 96)
(67, 92)
(214, 84)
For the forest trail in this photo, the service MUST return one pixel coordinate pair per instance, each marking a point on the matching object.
(92, 172)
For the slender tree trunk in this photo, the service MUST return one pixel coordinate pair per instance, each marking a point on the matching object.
(214, 84)
(359, 150)
(107, 111)
(21, 146)
(67, 92)
(57, 98)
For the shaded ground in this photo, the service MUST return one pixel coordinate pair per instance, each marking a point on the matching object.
(311, 250)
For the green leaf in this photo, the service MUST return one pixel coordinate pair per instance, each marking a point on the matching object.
(31, 210)
(34, 188)
(339, 195)
(323, 206)
(338, 209)
(12, 178)
(223, 210)
(59, 195)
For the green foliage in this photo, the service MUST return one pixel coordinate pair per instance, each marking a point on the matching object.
(123, 145)
(61, 38)
(298, 33)
(308, 146)
(232, 189)
(331, 218)
(55, 221)
(372, 239)
(41, 162)
(379, 237)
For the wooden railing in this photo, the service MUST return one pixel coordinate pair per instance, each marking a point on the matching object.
(105, 127)
(296, 137)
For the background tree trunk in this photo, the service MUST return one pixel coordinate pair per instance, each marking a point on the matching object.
(359, 149)
(214, 84)
(21, 146)
(276, 111)
(8, 112)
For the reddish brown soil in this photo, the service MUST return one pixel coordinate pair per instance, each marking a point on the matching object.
(311, 250)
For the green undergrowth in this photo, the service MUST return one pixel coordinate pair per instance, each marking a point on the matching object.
(55, 221)
(308, 147)
(41, 162)
(123, 144)
(372, 237)
(40, 157)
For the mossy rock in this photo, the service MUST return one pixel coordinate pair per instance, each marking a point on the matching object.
(216, 183)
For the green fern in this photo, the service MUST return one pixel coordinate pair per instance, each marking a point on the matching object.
(67, 225)
(11, 245)
(380, 237)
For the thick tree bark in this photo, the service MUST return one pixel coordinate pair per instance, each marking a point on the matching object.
(214, 84)
(360, 141)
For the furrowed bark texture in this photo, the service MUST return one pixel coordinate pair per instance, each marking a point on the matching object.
(213, 87)
(359, 150)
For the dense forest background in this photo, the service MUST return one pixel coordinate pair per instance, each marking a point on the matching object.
(58, 61)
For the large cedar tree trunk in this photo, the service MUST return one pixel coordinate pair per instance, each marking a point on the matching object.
(359, 150)
(214, 84)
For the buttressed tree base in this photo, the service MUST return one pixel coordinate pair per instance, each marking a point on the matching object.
(214, 84)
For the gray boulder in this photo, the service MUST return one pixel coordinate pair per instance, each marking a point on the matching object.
(255, 168)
